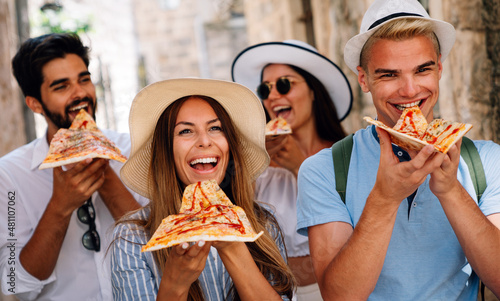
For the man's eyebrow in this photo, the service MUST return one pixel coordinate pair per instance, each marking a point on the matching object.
(392, 71)
(426, 64)
(84, 73)
(58, 81)
(62, 80)
(380, 70)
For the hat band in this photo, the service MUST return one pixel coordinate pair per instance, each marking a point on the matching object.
(387, 18)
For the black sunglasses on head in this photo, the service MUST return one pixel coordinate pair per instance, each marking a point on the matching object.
(86, 214)
(283, 86)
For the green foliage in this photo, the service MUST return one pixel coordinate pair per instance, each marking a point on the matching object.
(50, 21)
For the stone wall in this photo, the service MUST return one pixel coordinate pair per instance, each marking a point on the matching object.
(11, 118)
(466, 86)
(197, 38)
(274, 20)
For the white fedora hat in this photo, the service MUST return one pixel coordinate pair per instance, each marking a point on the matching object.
(382, 11)
(242, 105)
(248, 64)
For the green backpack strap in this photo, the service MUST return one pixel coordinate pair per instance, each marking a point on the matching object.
(341, 152)
(471, 157)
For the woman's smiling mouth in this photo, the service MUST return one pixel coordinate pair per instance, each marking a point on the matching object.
(204, 163)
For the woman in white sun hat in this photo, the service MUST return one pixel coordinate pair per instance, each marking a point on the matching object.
(173, 124)
(313, 95)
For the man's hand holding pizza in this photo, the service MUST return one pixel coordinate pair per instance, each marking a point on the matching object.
(398, 180)
(71, 188)
(444, 178)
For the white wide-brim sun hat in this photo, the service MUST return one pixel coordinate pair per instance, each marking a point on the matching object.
(248, 64)
(382, 11)
(242, 105)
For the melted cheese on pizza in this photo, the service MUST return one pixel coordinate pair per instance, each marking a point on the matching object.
(206, 214)
(412, 122)
(81, 141)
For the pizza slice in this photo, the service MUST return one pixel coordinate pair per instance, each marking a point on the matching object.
(206, 214)
(278, 126)
(412, 122)
(83, 121)
(412, 131)
(81, 141)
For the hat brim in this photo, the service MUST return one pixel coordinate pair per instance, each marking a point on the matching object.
(242, 105)
(444, 31)
(247, 69)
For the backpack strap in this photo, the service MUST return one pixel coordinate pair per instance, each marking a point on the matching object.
(341, 152)
(469, 153)
(471, 157)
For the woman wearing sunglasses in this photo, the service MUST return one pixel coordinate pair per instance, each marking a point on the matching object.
(184, 131)
(297, 83)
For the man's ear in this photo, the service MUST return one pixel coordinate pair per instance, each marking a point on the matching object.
(363, 79)
(34, 104)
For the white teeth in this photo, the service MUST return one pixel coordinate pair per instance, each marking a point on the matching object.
(279, 108)
(408, 105)
(77, 108)
(203, 160)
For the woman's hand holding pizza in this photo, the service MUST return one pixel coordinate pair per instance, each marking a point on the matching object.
(275, 143)
(288, 154)
(183, 266)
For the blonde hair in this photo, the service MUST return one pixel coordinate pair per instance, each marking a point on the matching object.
(166, 190)
(399, 30)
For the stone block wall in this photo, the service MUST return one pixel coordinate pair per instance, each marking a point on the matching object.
(11, 118)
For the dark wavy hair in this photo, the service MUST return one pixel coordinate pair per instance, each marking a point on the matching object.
(325, 113)
(34, 53)
(326, 119)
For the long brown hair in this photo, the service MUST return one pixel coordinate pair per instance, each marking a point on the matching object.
(166, 190)
(326, 120)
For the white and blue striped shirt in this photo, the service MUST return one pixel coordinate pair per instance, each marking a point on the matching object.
(136, 276)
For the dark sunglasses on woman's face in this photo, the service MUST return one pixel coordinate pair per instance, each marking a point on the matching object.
(86, 214)
(283, 86)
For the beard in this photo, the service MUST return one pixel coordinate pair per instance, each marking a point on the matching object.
(63, 121)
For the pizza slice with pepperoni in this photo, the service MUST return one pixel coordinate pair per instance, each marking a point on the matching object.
(81, 141)
(206, 214)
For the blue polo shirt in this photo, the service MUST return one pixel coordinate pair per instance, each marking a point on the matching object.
(424, 260)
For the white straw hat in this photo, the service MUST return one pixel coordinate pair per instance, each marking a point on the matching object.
(382, 11)
(242, 105)
(248, 64)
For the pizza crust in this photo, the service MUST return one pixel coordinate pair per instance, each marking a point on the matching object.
(81, 141)
(204, 237)
(76, 160)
